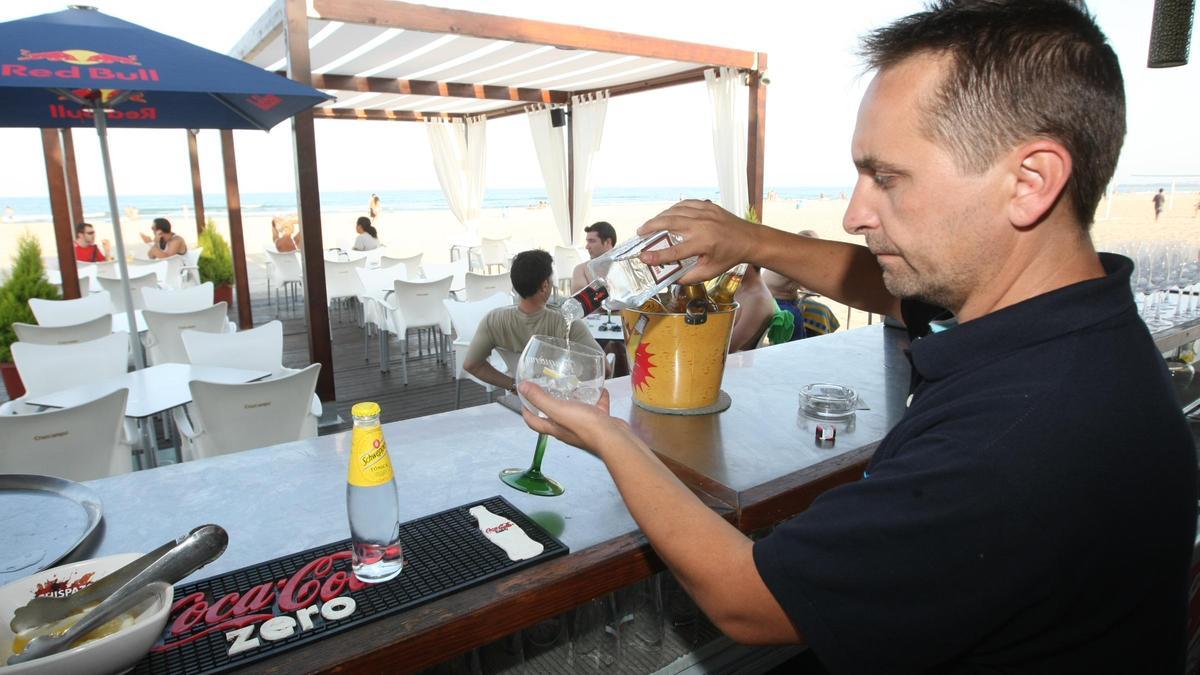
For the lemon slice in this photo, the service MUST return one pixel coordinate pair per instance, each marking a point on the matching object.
(551, 372)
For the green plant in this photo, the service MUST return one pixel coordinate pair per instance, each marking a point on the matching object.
(27, 280)
(216, 261)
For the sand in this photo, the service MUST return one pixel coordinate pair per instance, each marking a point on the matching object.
(1131, 217)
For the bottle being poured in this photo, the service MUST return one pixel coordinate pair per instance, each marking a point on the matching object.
(622, 280)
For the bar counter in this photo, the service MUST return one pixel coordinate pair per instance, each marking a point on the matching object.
(756, 464)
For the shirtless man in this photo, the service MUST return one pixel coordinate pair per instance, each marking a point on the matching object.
(164, 243)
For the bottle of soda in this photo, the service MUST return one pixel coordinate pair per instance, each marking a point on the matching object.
(372, 502)
(693, 293)
(623, 280)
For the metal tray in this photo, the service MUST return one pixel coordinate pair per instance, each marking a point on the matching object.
(42, 519)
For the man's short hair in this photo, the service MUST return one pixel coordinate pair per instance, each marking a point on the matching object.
(529, 270)
(1019, 70)
(80, 227)
(162, 225)
(604, 230)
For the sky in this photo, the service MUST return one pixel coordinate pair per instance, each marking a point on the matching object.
(652, 139)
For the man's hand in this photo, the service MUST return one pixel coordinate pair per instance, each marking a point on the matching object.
(572, 422)
(145, 237)
(107, 246)
(719, 238)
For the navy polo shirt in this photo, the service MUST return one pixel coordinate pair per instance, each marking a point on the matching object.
(1034, 510)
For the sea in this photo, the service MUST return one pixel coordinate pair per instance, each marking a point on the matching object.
(37, 209)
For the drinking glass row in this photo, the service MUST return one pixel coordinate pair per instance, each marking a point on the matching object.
(1165, 280)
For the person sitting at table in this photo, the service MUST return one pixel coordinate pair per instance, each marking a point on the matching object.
(810, 316)
(509, 328)
(368, 236)
(283, 233)
(164, 243)
(755, 313)
(86, 249)
(601, 237)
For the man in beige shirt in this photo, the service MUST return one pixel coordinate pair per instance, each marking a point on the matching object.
(509, 328)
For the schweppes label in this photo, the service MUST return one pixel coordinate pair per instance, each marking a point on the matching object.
(370, 464)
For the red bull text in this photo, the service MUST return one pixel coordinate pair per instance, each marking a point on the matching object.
(81, 63)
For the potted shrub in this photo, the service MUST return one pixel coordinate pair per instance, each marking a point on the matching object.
(216, 263)
(27, 280)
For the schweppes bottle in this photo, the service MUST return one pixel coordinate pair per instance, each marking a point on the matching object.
(372, 502)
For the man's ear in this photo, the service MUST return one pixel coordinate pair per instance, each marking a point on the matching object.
(1041, 169)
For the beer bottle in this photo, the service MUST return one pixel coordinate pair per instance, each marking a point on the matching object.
(689, 293)
(372, 502)
(726, 285)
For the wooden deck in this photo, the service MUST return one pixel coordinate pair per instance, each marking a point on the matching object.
(357, 375)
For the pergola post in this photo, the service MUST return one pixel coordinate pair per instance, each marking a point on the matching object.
(197, 194)
(756, 141)
(299, 68)
(75, 199)
(64, 231)
(233, 201)
(570, 174)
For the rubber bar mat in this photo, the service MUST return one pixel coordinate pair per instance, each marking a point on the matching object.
(255, 612)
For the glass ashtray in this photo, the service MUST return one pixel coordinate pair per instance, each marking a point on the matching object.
(828, 401)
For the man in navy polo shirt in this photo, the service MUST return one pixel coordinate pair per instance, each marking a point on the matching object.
(1035, 509)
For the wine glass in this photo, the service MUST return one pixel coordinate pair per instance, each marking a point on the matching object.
(566, 371)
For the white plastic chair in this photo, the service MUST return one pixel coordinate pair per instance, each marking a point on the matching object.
(465, 318)
(189, 299)
(286, 273)
(416, 304)
(412, 264)
(189, 274)
(113, 286)
(480, 286)
(163, 341)
(457, 270)
(71, 312)
(376, 284)
(342, 282)
(47, 369)
(84, 442)
(64, 335)
(565, 260)
(227, 418)
(494, 253)
(163, 268)
(258, 348)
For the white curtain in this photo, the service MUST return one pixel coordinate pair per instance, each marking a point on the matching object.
(587, 118)
(459, 158)
(550, 144)
(727, 92)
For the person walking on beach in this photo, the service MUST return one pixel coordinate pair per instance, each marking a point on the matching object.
(374, 207)
(86, 249)
(1017, 518)
(1159, 199)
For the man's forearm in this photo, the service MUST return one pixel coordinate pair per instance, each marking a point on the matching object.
(711, 558)
(846, 273)
(486, 373)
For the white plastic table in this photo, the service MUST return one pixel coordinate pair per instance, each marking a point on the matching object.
(151, 391)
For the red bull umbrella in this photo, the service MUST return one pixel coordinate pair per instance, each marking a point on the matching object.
(79, 67)
(53, 67)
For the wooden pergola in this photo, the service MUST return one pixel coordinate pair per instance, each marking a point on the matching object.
(398, 61)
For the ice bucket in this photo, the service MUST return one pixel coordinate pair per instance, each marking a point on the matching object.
(676, 361)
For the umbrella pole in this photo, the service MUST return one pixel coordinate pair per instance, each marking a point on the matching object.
(102, 132)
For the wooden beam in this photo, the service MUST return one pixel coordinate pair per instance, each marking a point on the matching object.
(387, 85)
(60, 210)
(570, 175)
(756, 137)
(233, 202)
(197, 194)
(75, 199)
(427, 19)
(264, 31)
(685, 77)
(304, 142)
(380, 115)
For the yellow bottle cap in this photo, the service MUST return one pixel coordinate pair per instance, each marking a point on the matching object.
(365, 409)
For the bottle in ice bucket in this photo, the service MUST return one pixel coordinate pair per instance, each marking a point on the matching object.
(723, 289)
(687, 294)
(372, 502)
(623, 280)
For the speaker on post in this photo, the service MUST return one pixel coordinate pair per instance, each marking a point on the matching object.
(1171, 33)
(558, 117)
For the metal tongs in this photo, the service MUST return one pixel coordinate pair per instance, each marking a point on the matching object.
(117, 592)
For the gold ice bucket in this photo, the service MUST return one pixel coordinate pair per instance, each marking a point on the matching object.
(676, 361)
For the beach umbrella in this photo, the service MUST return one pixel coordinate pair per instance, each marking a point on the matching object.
(80, 67)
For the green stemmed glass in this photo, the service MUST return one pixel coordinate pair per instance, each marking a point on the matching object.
(566, 371)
